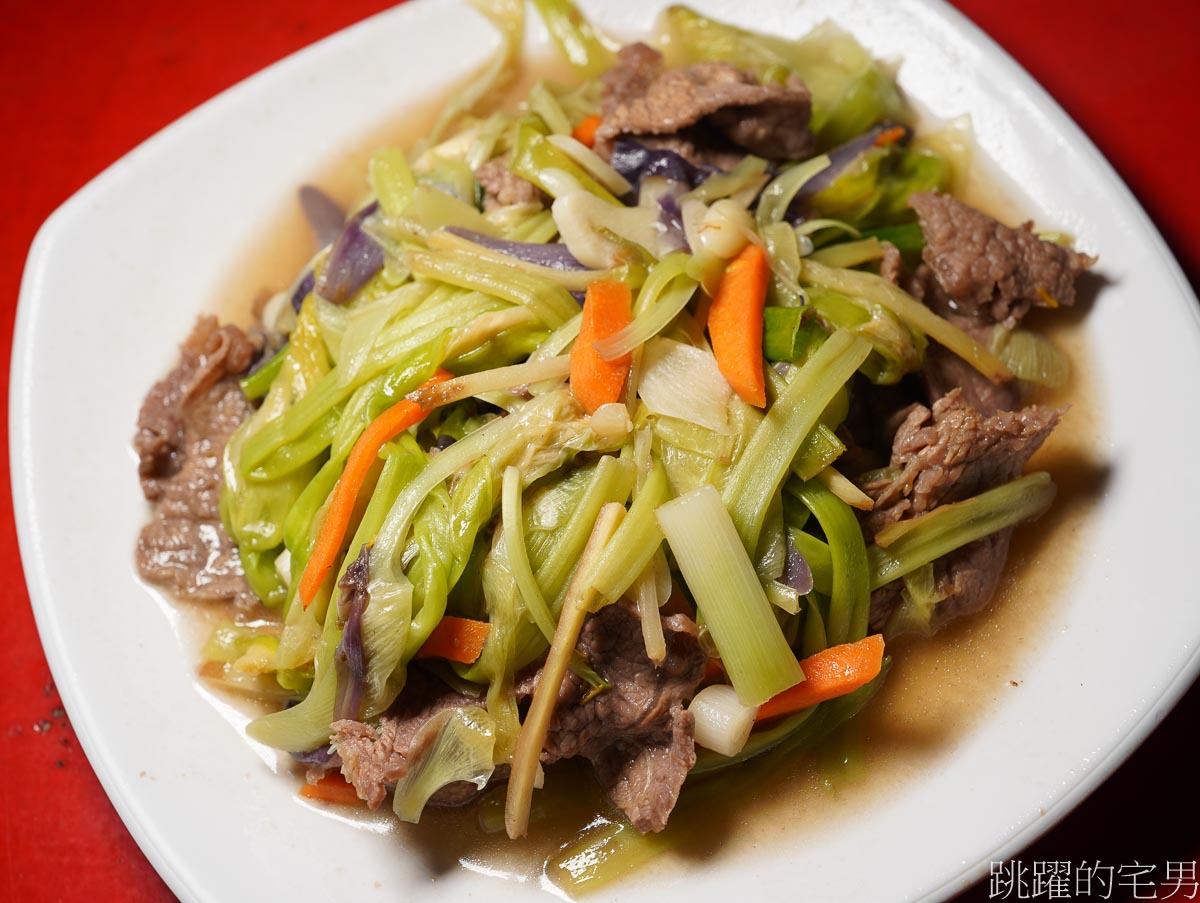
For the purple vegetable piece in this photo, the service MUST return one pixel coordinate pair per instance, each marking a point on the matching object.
(671, 219)
(325, 217)
(842, 156)
(635, 161)
(353, 260)
(554, 255)
(303, 288)
(796, 572)
(348, 660)
(321, 756)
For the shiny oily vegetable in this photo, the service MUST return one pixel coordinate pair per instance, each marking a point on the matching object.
(580, 393)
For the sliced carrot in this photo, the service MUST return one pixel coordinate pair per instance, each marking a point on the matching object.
(714, 672)
(379, 432)
(832, 672)
(456, 639)
(585, 132)
(333, 788)
(607, 308)
(890, 136)
(735, 324)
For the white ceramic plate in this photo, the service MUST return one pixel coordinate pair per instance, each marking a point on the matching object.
(118, 274)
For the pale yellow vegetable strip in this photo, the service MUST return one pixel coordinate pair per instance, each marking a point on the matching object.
(837, 483)
(541, 710)
(518, 554)
(911, 311)
(645, 591)
(491, 381)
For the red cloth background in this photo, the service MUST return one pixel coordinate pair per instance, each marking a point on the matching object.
(85, 82)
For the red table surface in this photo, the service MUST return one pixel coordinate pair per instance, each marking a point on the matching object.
(85, 82)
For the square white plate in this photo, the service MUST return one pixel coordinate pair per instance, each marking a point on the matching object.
(118, 274)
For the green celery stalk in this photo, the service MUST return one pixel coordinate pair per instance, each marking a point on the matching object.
(760, 470)
(258, 383)
(907, 238)
(728, 595)
(585, 48)
(540, 162)
(929, 536)
(637, 539)
(820, 449)
(780, 191)
(848, 253)
(912, 312)
(554, 557)
(850, 599)
(305, 726)
(391, 180)
(548, 301)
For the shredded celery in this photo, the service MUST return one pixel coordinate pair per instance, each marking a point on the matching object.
(760, 471)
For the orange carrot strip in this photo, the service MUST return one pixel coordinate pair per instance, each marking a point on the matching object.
(456, 639)
(333, 788)
(379, 432)
(735, 324)
(585, 132)
(607, 308)
(832, 672)
(890, 136)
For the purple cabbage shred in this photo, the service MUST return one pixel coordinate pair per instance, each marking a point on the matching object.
(348, 660)
(322, 756)
(839, 158)
(796, 572)
(553, 255)
(635, 162)
(325, 217)
(303, 289)
(353, 259)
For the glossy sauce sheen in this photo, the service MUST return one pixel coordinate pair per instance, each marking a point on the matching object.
(936, 689)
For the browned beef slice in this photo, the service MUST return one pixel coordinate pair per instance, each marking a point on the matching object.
(946, 455)
(637, 734)
(991, 271)
(954, 452)
(944, 370)
(643, 98)
(374, 758)
(502, 187)
(183, 427)
(892, 262)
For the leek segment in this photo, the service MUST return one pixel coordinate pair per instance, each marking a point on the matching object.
(729, 596)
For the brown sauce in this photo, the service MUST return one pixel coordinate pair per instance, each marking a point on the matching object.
(937, 688)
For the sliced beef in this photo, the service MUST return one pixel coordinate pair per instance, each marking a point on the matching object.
(375, 757)
(183, 427)
(502, 187)
(944, 455)
(637, 734)
(892, 262)
(643, 98)
(954, 452)
(992, 272)
(944, 370)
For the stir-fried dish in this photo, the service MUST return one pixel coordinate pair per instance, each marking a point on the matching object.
(629, 425)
